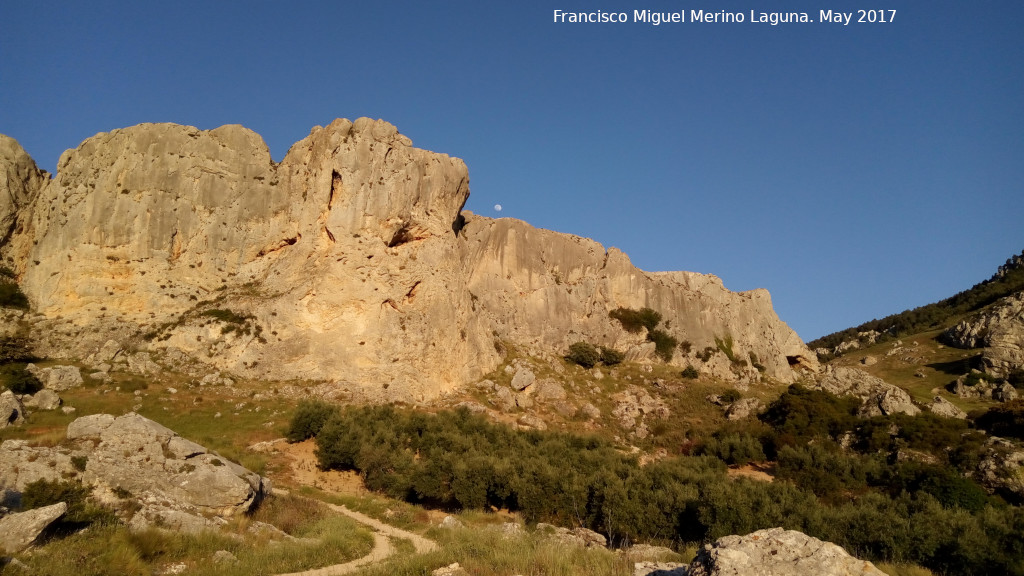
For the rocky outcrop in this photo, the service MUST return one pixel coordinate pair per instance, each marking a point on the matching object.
(777, 552)
(20, 181)
(12, 411)
(999, 329)
(57, 378)
(878, 396)
(19, 530)
(177, 482)
(942, 407)
(350, 261)
(1002, 468)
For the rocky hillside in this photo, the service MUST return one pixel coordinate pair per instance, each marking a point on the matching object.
(351, 261)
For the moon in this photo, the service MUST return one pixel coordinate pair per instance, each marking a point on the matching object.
(497, 207)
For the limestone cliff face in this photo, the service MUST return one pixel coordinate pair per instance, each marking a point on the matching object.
(350, 261)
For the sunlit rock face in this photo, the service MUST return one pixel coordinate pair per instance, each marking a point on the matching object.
(350, 261)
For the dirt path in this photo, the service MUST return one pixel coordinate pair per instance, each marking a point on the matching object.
(304, 470)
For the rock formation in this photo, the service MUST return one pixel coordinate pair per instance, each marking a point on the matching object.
(777, 552)
(19, 530)
(350, 261)
(999, 329)
(176, 482)
(878, 396)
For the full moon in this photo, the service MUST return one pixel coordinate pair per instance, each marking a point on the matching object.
(497, 207)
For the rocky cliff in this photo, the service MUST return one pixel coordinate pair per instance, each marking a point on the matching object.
(350, 261)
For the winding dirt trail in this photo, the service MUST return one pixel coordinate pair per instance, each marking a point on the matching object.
(382, 532)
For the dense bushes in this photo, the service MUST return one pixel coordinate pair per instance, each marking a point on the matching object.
(1006, 419)
(584, 354)
(19, 380)
(904, 512)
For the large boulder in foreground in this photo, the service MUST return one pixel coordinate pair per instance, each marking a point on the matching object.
(177, 482)
(777, 552)
(19, 530)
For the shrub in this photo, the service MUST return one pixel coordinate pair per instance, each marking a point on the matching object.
(731, 395)
(611, 356)
(227, 316)
(82, 510)
(690, 372)
(734, 449)
(309, 419)
(686, 346)
(802, 414)
(11, 296)
(636, 320)
(584, 354)
(1007, 419)
(706, 354)
(664, 344)
(1016, 379)
(16, 349)
(20, 381)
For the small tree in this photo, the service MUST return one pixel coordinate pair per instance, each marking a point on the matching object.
(611, 356)
(584, 354)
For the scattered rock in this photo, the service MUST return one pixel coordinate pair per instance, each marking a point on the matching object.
(450, 570)
(524, 401)
(451, 522)
(575, 537)
(523, 378)
(223, 556)
(743, 408)
(869, 360)
(548, 390)
(590, 411)
(503, 399)
(942, 407)
(531, 421)
(45, 399)
(777, 552)
(648, 568)
(12, 411)
(878, 397)
(19, 530)
(57, 378)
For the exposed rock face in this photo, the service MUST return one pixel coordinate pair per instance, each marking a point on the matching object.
(20, 180)
(57, 378)
(777, 552)
(19, 530)
(350, 261)
(11, 409)
(1000, 330)
(942, 407)
(878, 396)
(1002, 469)
(177, 480)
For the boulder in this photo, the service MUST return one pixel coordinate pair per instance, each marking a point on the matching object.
(573, 537)
(57, 378)
(177, 482)
(523, 378)
(743, 408)
(19, 530)
(942, 407)
(45, 399)
(777, 552)
(877, 396)
(999, 330)
(12, 411)
(548, 390)
(648, 568)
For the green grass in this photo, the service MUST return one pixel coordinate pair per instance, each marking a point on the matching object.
(113, 549)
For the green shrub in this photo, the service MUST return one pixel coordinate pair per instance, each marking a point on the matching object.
(16, 349)
(690, 372)
(1006, 419)
(706, 354)
(584, 354)
(975, 378)
(802, 414)
(309, 418)
(611, 356)
(227, 316)
(636, 320)
(731, 395)
(19, 380)
(664, 344)
(686, 346)
(11, 296)
(82, 510)
(734, 449)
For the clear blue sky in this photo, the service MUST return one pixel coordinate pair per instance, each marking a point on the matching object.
(854, 171)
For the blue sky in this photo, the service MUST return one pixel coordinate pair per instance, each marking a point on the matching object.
(854, 171)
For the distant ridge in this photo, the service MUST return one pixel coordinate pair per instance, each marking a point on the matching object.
(1008, 279)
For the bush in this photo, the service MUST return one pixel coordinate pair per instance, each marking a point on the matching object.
(19, 380)
(636, 320)
(1007, 419)
(706, 354)
(664, 344)
(82, 510)
(802, 414)
(1016, 379)
(611, 356)
(690, 372)
(686, 346)
(16, 349)
(309, 419)
(227, 316)
(734, 449)
(584, 354)
(11, 296)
